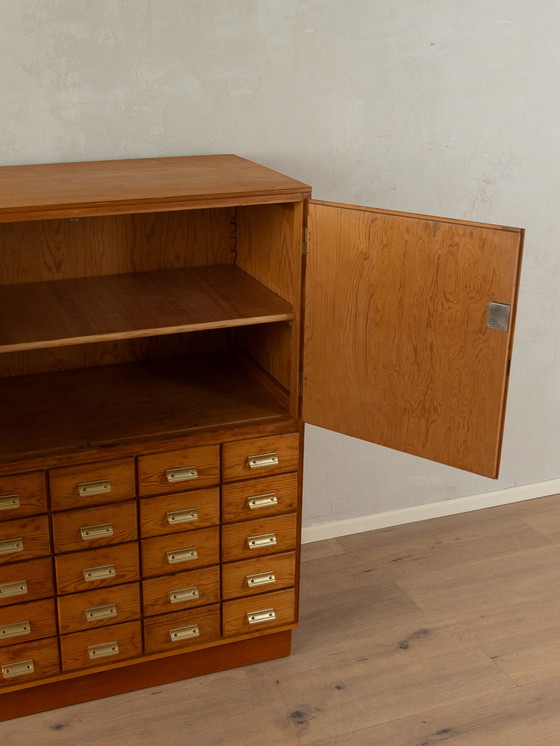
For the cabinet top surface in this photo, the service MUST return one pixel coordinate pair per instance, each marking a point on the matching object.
(59, 189)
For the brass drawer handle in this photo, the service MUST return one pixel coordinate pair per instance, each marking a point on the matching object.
(99, 573)
(184, 594)
(261, 578)
(95, 613)
(15, 630)
(99, 487)
(102, 530)
(9, 502)
(18, 588)
(181, 516)
(21, 668)
(103, 651)
(262, 501)
(258, 617)
(11, 546)
(184, 633)
(181, 555)
(181, 475)
(262, 459)
(264, 540)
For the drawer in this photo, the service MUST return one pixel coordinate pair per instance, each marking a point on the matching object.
(99, 647)
(259, 613)
(259, 457)
(182, 629)
(167, 554)
(26, 581)
(99, 608)
(173, 513)
(22, 495)
(26, 622)
(28, 661)
(248, 577)
(259, 498)
(182, 590)
(255, 538)
(95, 568)
(93, 527)
(92, 484)
(25, 538)
(176, 471)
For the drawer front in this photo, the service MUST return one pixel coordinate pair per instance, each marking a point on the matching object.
(24, 539)
(28, 661)
(25, 622)
(92, 527)
(259, 457)
(100, 647)
(26, 581)
(92, 484)
(176, 471)
(259, 613)
(175, 513)
(22, 495)
(259, 575)
(182, 629)
(96, 568)
(182, 590)
(259, 498)
(99, 608)
(186, 551)
(255, 538)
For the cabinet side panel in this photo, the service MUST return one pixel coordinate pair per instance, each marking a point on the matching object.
(397, 349)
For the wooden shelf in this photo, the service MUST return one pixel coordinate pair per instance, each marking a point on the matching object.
(145, 304)
(69, 410)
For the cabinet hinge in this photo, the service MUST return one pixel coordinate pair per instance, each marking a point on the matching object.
(306, 241)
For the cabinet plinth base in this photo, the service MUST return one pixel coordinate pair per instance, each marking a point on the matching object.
(144, 674)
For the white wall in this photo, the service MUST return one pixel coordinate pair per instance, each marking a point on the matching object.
(438, 106)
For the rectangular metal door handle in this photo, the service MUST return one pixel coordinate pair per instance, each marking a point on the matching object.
(262, 459)
(103, 650)
(9, 502)
(182, 516)
(99, 487)
(17, 588)
(264, 540)
(102, 530)
(15, 630)
(262, 501)
(184, 633)
(183, 474)
(99, 573)
(11, 546)
(181, 555)
(93, 614)
(261, 578)
(258, 617)
(21, 668)
(184, 594)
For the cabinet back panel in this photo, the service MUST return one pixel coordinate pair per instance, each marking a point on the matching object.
(116, 244)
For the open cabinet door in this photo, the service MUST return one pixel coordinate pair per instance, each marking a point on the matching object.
(398, 347)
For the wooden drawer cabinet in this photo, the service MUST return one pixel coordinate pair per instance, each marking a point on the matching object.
(97, 647)
(91, 484)
(159, 471)
(26, 581)
(92, 527)
(182, 629)
(259, 498)
(26, 622)
(181, 590)
(22, 495)
(99, 608)
(171, 514)
(95, 568)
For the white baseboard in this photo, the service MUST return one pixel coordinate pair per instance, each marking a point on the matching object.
(332, 529)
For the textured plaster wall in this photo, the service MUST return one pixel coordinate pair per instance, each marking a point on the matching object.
(437, 106)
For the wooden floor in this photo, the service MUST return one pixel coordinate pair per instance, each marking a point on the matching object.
(445, 631)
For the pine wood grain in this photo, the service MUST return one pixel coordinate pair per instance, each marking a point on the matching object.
(69, 567)
(235, 455)
(154, 551)
(64, 484)
(30, 493)
(157, 591)
(236, 536)
(33, 538)
(235, 497)
(157, 628)
(156, 512)
(67, 526)
(235, 619)
(74, 648)
(37, 574)
(234, 575)
(43, 653)
(40, 618)
(152, 479)
(72, 608)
